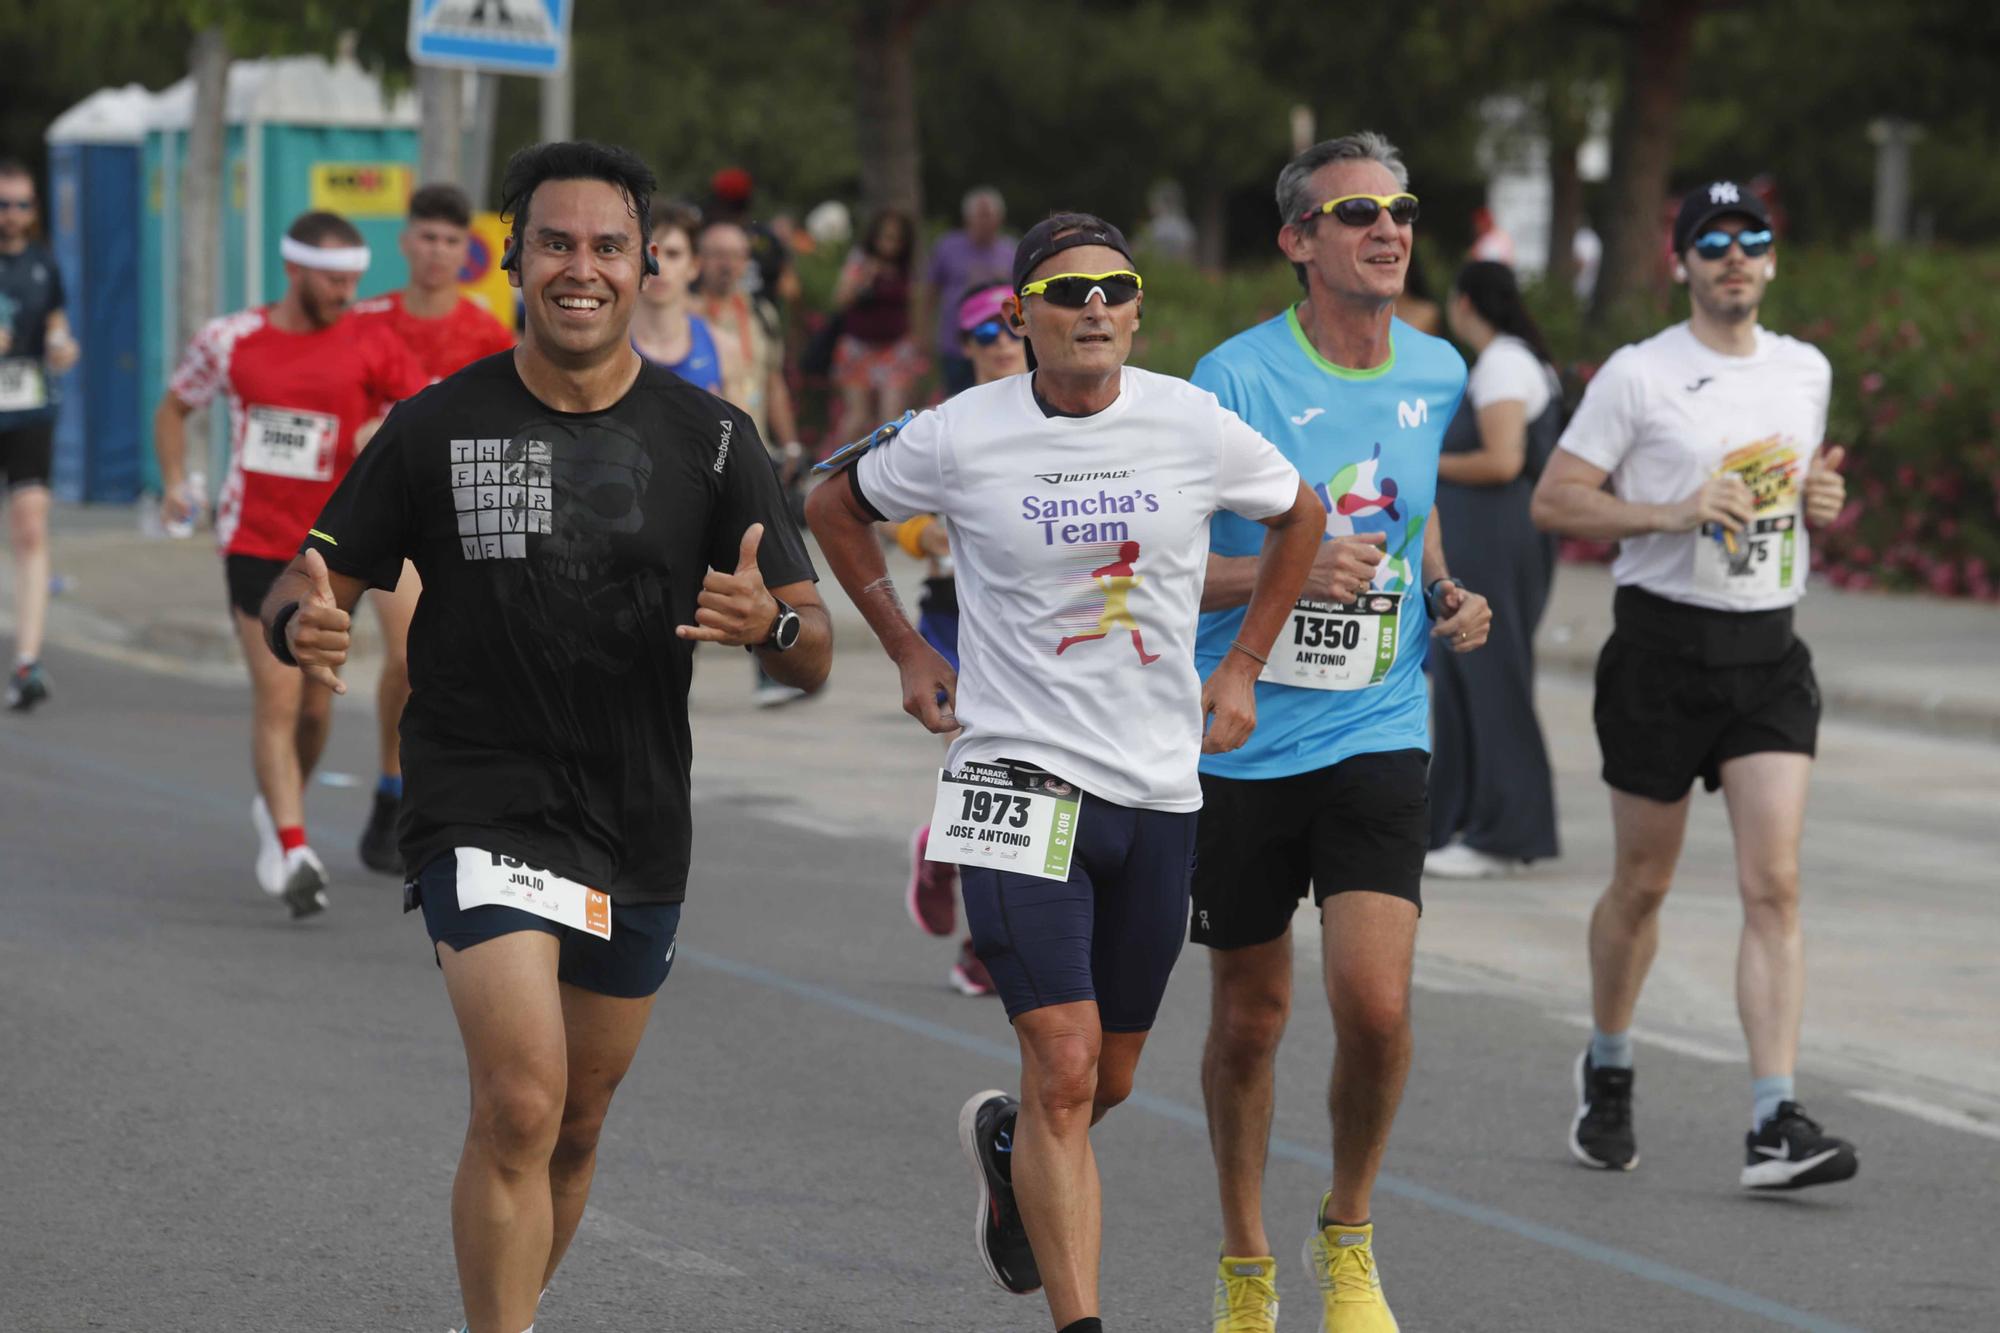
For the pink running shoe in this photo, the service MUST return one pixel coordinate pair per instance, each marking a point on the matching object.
(933, 896)
(968, 975)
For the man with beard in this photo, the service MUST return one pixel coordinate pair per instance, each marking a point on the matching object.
(1708, 435)
(304, 384)
(580, 519)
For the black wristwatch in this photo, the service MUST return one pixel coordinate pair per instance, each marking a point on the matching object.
(275, 637)
(1431, 595)
(784, 630)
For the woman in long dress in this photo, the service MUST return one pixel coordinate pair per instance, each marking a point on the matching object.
(1492, 792)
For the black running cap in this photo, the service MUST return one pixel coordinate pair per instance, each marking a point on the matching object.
(1060, 232)
(1717, 199)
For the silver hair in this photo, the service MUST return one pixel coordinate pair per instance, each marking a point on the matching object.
(979, 192)
(1295, 181)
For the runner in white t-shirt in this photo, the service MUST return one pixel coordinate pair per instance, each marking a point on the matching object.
(1709, 434)
(1078, 502)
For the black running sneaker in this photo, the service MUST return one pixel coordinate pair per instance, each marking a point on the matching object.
(26, 687)
(986, 1131)
(1601, 1134)
(1791, 1152)
(378, 840)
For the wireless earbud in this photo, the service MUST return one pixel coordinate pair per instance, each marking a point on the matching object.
(1680, 273)
(1770, 271)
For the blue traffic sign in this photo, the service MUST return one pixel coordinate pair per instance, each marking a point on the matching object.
(493, 36)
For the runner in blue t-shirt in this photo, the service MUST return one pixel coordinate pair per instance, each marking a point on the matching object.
(1330, 791)
(665, 330)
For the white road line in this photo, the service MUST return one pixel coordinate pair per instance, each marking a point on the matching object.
(674, 1258)
(1926, 1111)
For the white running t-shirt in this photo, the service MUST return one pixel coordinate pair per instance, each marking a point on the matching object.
(1665, 415)
(1081, 546)
(1509, 371)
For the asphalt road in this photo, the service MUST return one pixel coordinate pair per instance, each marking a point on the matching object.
(215, 1119)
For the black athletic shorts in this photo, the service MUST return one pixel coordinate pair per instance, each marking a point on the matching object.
(1683, 689)
(1110, 932)
(25, 454)
(250, 578)
(1361, 825)
(631, 965)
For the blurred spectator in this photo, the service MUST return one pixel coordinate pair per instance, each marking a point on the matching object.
(976, 253)
(751, 350)
(1169, 232)
(770, 277)
(1489, 240)
(1492, 794)
(664, 330)
(830, 224)
(876, 362)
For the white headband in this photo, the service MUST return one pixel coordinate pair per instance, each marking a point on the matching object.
(329, 258)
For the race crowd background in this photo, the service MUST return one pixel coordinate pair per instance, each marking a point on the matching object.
(1870, 131)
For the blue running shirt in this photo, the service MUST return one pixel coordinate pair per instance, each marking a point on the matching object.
(1367, 442)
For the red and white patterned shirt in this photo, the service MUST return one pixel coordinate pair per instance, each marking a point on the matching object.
(295, 402)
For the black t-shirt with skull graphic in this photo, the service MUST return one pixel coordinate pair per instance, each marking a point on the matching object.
(558, 551)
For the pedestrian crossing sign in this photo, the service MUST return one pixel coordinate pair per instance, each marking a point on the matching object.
(492, 36)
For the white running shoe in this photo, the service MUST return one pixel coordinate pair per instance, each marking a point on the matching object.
(1459, 861)
(270, 856)
(304, 889)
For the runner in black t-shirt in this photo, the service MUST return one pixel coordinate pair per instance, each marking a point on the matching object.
(573, 513)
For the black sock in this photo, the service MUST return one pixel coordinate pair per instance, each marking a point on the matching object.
(1090, 1325)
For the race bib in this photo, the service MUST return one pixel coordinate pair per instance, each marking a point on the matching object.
(1755, 564)
(280, 442)
(490, 879)
(1007, 817)
(1331, 646)
(21, 386)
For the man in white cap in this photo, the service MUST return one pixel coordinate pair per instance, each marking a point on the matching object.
(305, 387)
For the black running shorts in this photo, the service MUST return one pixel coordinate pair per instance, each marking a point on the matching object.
(1681, 690)
(26, 453)
(1361, 825)
(250, 578)
(631, 965)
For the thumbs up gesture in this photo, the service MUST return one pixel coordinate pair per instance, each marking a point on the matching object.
(735, 608)
(1826, 489)
(317, 633)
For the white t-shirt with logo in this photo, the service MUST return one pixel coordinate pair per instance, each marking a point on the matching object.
(1509, 371)
(1665, 415)
(1081, 546)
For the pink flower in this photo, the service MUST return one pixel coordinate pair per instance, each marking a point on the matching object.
(1872, 382)
(1943, 580)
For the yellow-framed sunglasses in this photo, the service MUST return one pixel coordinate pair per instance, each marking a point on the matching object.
(1361, 210)
(1073, 291)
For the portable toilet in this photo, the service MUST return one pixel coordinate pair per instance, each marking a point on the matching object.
(94, 150)
(302, 132)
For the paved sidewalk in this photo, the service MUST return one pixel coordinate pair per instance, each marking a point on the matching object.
(1900, 659)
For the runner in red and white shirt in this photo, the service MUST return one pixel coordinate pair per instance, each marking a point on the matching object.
(446, 331)
(305, 387)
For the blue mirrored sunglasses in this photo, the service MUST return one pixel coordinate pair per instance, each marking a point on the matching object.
(989, 331)
(1715, 244)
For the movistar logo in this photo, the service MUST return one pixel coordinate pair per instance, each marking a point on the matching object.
(1408, 414)
(1065, 478)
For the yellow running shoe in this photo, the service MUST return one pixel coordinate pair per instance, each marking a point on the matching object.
(1246, 1295)
(1342, 1261)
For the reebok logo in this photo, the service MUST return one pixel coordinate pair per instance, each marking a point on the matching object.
(1408, 415)
(1307, 415)
(722, 450)
(1065, 478)
(1724, 192)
